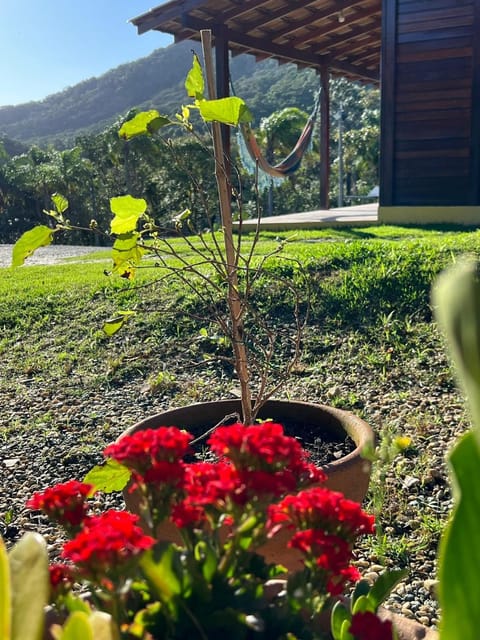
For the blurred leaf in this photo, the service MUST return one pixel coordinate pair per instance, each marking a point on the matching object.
(194, 83)
(127, 210)
(60, 202)
(163, 571)
(126, 253)
(30, 586)
(362, 588)
(143, 123)
(78, 627)
(459, 555)
(112, 326)
(29, 242)
(103, 626)
(383, 586)
(339, 616)
(112, 476)
(456, 300)
(5, 593)
(362, 603)
(230, 111)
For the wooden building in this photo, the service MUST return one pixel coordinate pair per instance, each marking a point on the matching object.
(424, 54)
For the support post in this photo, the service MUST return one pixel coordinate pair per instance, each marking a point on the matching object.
(222, 72)
(324, 137)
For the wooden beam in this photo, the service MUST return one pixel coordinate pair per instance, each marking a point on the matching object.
(154, 18)
(475, 198)
(324, 137)
(387, 117)
(222, 72)
(282, 51)
(322, 15)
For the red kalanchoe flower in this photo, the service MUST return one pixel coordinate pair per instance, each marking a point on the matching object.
(212, 483)
(259, 446)
(171, 474)
(187, 515)
(265, 448)
(366, 625)
(330, 554)
(62, 578)
(64, 503)
(320, 508)
(107, 544)
(144, 448)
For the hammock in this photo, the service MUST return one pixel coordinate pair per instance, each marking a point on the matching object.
(290, 164)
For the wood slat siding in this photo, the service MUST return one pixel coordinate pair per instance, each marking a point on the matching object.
(430, 84)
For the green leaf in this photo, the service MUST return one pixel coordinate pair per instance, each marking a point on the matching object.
(146, 122)
(339, 615)
(383, 586)
(29, 242)
(459, 555)
(77, 627)
(362, 588)
(127, 210)
(112, 476)
(362, 603)
(345, 633)
(194, 83)
(126, 252)
(30, 586)
(162, 571)
(230, 111)
(112, 326)
(103, 626)
(74, 603)
(205, 554)
(456, 300)
(60, 203)
(5, 593)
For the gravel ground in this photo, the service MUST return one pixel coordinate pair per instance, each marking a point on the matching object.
(52, 430)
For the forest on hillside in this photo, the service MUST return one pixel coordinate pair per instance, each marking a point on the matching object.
(173, 172)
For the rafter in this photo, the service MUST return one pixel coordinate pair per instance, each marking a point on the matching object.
(305, 32)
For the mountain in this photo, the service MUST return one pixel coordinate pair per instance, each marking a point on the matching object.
(156, 81)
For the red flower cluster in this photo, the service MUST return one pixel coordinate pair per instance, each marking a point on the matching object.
(107, 543)
(326, 525)
(366, 626)
(62, 578)
(64, 503)
(320, 508)
(145, 448)
(332, 555)
(258, 465)
(263, 447)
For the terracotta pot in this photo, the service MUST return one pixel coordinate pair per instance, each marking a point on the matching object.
(408, 629)
(349, 474)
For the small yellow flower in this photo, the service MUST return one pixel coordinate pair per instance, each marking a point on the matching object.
(403, 442)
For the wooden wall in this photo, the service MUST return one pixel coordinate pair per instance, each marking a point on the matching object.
(430, 103)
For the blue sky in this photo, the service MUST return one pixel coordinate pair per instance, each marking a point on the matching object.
(48, 45)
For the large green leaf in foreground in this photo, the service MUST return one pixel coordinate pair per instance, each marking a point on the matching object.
(5, 593)
(30, 586)
(459, 559)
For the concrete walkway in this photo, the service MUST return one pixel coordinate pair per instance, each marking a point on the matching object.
(356, 216)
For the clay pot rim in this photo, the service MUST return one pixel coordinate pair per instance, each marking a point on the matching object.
(357, 429)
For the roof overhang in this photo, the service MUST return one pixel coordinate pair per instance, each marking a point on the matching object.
(343, 36)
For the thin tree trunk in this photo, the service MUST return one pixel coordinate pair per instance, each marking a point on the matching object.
(224, 194)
